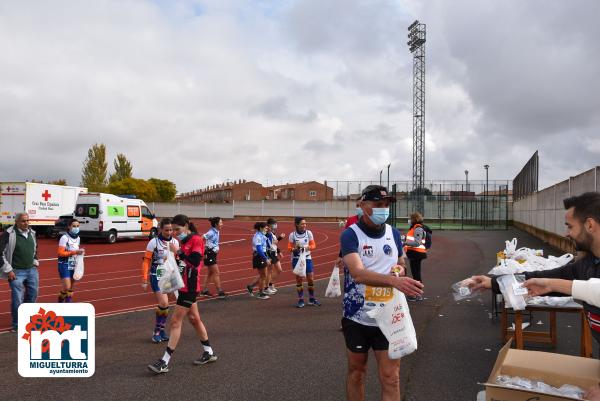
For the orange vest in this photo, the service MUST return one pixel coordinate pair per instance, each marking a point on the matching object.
(410, 236)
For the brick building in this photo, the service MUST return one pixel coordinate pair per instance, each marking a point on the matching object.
(225, 193)
(303, 191)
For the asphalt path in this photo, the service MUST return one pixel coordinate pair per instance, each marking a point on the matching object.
(269, 350)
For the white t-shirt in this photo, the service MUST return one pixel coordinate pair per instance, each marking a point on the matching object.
(303, 240)
(70, 244)
(159, 251)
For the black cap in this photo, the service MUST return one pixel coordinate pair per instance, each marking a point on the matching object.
(376, 193)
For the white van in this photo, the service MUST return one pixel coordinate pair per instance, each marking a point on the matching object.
(110, 217)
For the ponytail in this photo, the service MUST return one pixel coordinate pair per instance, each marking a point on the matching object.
(182, 220)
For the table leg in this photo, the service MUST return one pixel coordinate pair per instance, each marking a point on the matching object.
(504, 325)
(519, 329)
(553, 328)
(586, 337)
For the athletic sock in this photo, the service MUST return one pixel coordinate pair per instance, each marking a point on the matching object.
(61, 296)
(207, 347)
(167, 356)
(300, 291)
(161, 318)
(311, 291)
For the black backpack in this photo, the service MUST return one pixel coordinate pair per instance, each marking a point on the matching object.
(428, 234)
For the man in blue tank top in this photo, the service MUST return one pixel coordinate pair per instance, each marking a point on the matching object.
(374, 265)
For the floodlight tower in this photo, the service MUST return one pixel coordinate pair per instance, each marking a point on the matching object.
(416, 43)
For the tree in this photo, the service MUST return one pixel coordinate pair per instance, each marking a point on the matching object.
(166, 189)
(61, 181)
(142, 189)
(95, 169)
(123, 168)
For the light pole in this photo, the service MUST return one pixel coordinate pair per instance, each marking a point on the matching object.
(380, 177)
(388, 177)
(485, 198)
(467, 180)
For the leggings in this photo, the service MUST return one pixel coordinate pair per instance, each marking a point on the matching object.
(415, 269)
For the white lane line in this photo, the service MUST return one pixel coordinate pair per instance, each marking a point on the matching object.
(133, 252)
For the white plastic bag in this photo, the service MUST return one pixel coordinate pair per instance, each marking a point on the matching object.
(461, 290)
(170, 279)
(333, 288)
(513, 291)
(300, 268)
(78, 273)
(396, 325)
(510, 247)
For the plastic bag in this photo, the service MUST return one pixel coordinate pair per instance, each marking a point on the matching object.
(396, 325)
(170, 279)
(300, 268)
(566, 390)
(510, 247)
(79, 267)
(513, 291)
(461, 290)
(551, 301)
(333, 288)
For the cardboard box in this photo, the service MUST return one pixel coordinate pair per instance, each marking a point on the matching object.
(553, 369)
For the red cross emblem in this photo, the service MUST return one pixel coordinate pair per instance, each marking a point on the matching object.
(46, 195)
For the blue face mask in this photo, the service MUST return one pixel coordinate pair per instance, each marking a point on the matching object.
(74, 230)
(182, 236)
(380, 215)
(359, 212)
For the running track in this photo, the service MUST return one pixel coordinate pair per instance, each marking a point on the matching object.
(112, 280)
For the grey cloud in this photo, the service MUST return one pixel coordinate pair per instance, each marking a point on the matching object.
(277, 108)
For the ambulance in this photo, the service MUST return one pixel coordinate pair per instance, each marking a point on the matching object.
(44, 203)
(110, 217)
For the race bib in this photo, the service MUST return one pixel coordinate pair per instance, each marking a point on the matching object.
(378, 294)
(72, 262)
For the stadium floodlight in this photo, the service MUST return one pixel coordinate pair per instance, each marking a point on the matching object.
(414, 24)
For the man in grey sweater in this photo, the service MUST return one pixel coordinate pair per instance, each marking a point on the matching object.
(18, 258)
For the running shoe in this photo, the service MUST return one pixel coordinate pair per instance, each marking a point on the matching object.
(272, 288)
(269, 291)
(164, 336)
(222, 295)
(205, 358)
(206, 293)
(159, 367)
(156, 338)
(314, 302)
(262, 295)
(300, 304)
(250, 290)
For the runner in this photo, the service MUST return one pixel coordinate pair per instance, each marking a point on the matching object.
(190, 258)
(210, 257)
(372, 251)
(260, 261)
(273, 253)
(302, 240)
(155, 255)
(68, 249)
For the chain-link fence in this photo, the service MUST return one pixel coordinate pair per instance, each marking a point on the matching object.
(443, 204)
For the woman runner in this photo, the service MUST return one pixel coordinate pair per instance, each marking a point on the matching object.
(302, 241)
(210, 257)
(155, 255)
(190, 258)
(68, 249)
(260, 260)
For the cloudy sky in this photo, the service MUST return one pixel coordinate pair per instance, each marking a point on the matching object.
(202, 91)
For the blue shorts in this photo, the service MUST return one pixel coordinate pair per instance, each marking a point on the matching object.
(64, 271)
(309, 265)
(154, 283)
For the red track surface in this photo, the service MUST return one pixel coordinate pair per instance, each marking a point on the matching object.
(112, 280)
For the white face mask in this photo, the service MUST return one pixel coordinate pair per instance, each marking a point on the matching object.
(409, 222)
